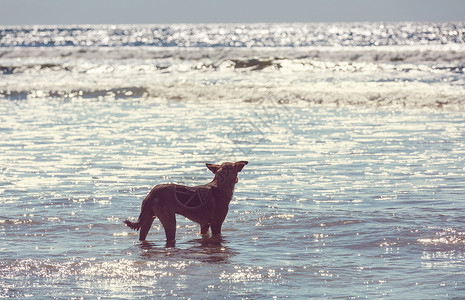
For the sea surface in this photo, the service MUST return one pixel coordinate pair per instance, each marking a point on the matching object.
(354, 133)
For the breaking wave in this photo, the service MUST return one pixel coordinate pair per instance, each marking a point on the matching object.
(438, 54)
(321, 94)
(374, 64)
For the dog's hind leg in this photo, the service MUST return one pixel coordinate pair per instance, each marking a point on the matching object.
(168, 220)
(146, 224)
(146, 217)
(145, 220)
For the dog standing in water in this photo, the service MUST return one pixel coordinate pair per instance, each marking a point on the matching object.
(205, 204)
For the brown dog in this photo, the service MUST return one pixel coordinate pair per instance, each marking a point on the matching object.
(205, 204)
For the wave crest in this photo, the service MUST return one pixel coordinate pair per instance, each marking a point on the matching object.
(318, 94)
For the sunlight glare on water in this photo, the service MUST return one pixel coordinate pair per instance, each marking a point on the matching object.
(353, 200)
(354, 134)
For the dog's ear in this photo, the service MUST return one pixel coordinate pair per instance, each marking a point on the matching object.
(239, 165)
(213, 168)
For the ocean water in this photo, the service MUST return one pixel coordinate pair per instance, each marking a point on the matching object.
(354, 133)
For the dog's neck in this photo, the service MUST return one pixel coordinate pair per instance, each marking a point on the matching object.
(227, 188)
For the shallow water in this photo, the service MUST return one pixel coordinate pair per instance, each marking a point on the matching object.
(335, 202)
(354, 135)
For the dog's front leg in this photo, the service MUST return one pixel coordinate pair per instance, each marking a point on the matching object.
(216, 228)
(204, 228)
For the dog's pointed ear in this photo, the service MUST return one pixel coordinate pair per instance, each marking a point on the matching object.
(213, 168)
(239, 165)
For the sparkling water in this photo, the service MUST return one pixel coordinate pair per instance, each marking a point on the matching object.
(354, 133)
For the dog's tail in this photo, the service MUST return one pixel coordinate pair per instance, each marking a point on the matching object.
(145, 220)
(133, 225)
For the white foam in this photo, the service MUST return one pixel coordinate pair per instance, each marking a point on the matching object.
(405, 76)
(413, 53)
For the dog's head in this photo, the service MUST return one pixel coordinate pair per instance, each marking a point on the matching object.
(226, 173)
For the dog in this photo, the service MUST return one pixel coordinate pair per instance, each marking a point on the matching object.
(206, 204)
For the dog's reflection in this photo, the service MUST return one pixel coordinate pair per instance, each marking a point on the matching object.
(210, 249)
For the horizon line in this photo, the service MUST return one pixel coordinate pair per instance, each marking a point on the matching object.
(231, 23)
